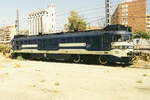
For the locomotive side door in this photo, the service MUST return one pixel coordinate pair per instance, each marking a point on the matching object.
(106, 41)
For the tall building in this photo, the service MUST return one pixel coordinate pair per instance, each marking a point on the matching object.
(148, 23)
(131, 13)
(43, 22)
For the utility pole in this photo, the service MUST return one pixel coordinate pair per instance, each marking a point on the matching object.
(89, 26)
(17, 23)
(107, 12)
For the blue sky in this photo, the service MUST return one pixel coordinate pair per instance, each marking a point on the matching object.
(91, 10)
(63, 7)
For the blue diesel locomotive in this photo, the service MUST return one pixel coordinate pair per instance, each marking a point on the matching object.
(97, 45)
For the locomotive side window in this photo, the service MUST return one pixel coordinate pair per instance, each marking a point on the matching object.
(117, 38)
(127, 37)
(121, 38)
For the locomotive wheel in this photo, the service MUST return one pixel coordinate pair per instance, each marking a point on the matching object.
(76, 58)
(134, 60)
(131, 61)
(102, 60)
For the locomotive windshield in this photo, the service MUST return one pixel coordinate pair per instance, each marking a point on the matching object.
(122, 38)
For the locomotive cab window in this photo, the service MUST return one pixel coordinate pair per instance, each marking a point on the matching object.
(127, 38)
(121, 38)
(117, 38)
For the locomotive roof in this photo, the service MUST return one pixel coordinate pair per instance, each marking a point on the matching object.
(70, 34)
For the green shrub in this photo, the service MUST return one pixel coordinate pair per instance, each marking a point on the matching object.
(20, 58)
(141, 34)
(139, 81)
(43, 81)
(56, 84)
(5, 48)
(144, 75)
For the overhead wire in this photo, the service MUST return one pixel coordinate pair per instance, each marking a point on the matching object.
(84, 13)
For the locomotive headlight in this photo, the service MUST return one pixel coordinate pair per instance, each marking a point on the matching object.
(121, 47)
(113, 47)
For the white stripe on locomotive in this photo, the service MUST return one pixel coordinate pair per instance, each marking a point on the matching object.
(72, 45)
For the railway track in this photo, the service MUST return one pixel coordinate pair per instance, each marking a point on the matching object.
(135, 65)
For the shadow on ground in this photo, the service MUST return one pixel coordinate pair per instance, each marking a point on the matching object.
(87, 63)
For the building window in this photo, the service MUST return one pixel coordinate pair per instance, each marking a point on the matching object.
(124, 10)
(123, 6)
(123, 1)
(124, 23)
(148, 28)
(124, 14)
(124, 19)
(148, 23)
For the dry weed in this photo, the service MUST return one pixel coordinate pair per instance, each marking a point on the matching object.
(56, 84)
(42, 81)
(144, 75)
(17, 66)
(139, 81)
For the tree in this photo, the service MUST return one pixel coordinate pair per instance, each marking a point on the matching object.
(141, 34)
(75, 23)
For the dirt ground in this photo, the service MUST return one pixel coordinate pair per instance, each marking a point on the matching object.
(37, 80)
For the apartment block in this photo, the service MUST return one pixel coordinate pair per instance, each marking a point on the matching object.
(7, 33)
(131, 13)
